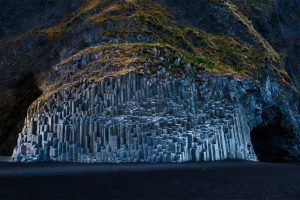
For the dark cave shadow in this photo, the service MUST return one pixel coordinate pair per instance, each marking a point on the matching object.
(13, 114)
(271, 140)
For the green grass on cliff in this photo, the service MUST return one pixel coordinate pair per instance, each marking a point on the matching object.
(65, 24)
(259, 38)
(254, 2)
(217, 53)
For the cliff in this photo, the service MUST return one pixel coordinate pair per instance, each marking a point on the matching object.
(156, 81)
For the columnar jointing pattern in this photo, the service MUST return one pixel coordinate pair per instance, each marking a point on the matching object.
(134, 118)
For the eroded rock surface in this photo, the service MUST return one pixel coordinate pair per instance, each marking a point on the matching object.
(152, 81)
(137, 118)
(155, 118)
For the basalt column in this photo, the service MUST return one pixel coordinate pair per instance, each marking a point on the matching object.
(135, 118)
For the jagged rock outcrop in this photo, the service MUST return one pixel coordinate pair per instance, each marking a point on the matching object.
(26, 56)
(158, 118)
(278, 21)
(150, 81)
(137, 118)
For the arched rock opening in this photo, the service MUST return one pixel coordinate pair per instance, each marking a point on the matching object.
(271, 140)
(12, 115)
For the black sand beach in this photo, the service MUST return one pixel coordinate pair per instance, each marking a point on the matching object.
(219, 180)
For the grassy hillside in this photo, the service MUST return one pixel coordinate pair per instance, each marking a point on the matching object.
(218, 53)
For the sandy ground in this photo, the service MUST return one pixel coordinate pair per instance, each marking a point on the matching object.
(219, 180)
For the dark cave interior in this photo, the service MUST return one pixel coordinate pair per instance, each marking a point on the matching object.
(272, 142)
(13, 114)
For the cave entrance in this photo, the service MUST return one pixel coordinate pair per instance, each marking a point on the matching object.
(12, 115)
(271, 141)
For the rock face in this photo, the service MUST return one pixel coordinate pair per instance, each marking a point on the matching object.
(153, 119)
(136, 118)
(148, 81)
(26, 54)
(279, 22)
